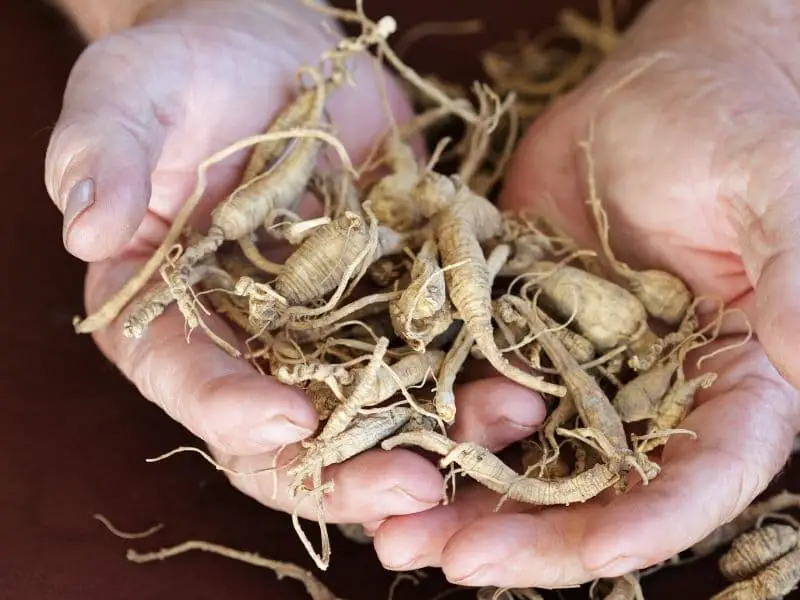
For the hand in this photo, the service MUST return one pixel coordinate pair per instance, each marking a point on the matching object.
(143, 107)
(696, 164)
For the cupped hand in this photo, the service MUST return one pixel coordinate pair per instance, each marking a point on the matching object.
(142, 109)
(696, 164)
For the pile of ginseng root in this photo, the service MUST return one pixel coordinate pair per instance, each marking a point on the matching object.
(409, 270)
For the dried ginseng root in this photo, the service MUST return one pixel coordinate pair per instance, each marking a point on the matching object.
(444, 400)
(461, 221)
(591, 403)
(606, 314)
(423, 310)
(315, 588)
(775, 581)
(333, 258)
(487, 469)
(364, 434)
(391, 196)
(752, 551)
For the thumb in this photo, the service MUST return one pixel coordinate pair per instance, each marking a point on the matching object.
(768, 219)
(102, 151)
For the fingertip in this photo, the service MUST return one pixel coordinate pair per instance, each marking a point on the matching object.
(495, 412)
(377, 485)
(98, 174)
(247, 413)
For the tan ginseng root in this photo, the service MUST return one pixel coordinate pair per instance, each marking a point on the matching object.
(566, 409)
(640, 398)
(647, 396)
(334, 376)
(153, 303)
(596, 412)
(331, 258)
(752, 551)
(745, 521)
(315, 588)
(390, 197)
(775, 581)
(534, 458)
(606, 314)
(423, 310)
(675, 405)
(487, 469)
(365, 433)
(462, 221)
(376, 383)
(240, 214)
(445, 400)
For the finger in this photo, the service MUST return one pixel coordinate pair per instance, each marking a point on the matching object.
(104, 146)
(744, 436)
(496, 412)
(417, 541)
(372, 486)
(492, 412)
(217, 397)
(766, 213)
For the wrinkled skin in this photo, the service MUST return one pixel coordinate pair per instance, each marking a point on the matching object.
(695, 162)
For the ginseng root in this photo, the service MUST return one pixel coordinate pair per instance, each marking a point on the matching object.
(752, 551)
(593, 406)
(774, 581)
(423, 311)
(606, 314)
(444, 400)
(485, 468)
(462, 220)
(315, 588)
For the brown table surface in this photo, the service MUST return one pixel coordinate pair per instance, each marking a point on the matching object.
(74, 433)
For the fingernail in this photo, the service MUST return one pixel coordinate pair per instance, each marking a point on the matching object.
(621, 565)
(279, 431)
(406, 566)
(489, 574)
(399, 501)
(524, 427)
(79, 198)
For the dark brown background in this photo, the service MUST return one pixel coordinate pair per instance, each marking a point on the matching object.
(74, 434)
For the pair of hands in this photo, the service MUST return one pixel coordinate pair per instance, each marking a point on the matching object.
(694, 162)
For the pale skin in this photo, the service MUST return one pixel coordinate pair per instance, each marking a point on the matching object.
(696, 161)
